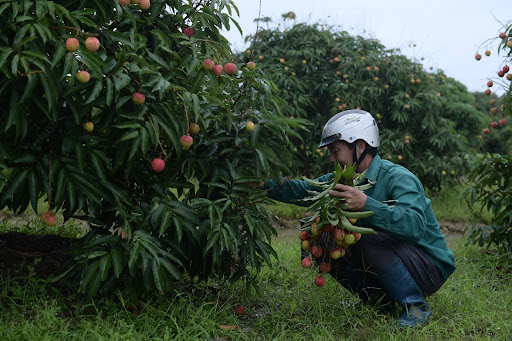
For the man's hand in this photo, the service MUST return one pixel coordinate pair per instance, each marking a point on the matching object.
(355, 198)
(256, 185)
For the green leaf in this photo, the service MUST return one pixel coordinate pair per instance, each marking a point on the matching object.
(164, 223)
(88, 273)
(68, 63)
(104, 266)
(16, 184)
(29, 88)
(117, 261)
(3, 57)
(58, 54)
(155, 267)
(91, 60)
(134, 255)
(121, 80)
(117, 36)
(34, 188)
(129, 135)
(170, 268)
(62, 180)
(213, 236)
(110, 92)
(14, 65)
(20, 34)
(96, 91)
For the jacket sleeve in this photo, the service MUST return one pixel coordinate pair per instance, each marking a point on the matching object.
(406, 220)
(290, 190)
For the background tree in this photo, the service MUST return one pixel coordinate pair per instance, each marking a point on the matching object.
(111, 114)
(427, 120)
(490, 185)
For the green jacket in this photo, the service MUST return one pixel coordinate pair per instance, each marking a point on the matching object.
(410, 220)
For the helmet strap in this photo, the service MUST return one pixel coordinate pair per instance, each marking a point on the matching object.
(362, 156)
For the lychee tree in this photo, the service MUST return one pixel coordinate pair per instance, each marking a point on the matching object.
(149, 146)
(490, 185)
(427, 120)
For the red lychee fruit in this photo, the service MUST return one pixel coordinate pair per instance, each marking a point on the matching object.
(193, 129)
(325, 267)
(208, 64)
(92, 44)
(189, 31)
(48, 218)
(144, 4)
(320, 281)
(138, 98)
(229, 68)
(83, 76)
(303, 235)
(186, 141)
(239, 310)
(306, 262)
(217, 70)
(157, 165)
(72, 44)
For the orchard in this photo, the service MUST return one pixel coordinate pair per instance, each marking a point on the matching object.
(427, 120)
(114, 113)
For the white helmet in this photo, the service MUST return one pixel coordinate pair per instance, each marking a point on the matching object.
(349, 126)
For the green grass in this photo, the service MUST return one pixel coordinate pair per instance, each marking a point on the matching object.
(473, 305)
(449, 205)
(287, 211)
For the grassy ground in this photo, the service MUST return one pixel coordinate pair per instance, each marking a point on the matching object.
(474, 304)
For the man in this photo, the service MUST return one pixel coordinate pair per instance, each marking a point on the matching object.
(408, 259)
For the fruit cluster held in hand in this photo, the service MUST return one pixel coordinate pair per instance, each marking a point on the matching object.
(330, 231)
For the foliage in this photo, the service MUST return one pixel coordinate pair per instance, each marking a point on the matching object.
(197, 216)
(491, 181)
(426, 120)
(490, 177)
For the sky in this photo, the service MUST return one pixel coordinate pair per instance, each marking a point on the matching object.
(445, 33)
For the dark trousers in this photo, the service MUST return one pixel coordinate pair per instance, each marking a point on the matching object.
(356, 271)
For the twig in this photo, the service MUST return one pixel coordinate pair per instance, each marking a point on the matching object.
(157, 137)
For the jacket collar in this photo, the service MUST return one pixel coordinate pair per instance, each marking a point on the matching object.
(373, 171)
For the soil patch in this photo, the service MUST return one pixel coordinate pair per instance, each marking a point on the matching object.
(44, 254)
